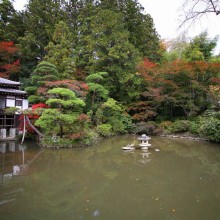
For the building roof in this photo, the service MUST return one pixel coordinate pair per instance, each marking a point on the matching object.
(12, 91)
(9, 82)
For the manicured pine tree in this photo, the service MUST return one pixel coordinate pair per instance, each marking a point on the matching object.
(64, 109)
(43, 73)
(97, 92)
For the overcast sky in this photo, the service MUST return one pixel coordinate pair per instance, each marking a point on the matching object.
(167, 18)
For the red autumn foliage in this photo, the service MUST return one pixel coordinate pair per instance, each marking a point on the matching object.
(216, 81)
(76, 136)
(142, 111)
(147, 64)
(39, 105)
(80, 74)
(21, 125)
(83, 118)
(177, 86)
(8, 47)
(33, 116)
(146, 69)
(177, 67)
(9, 63)
(80, 88)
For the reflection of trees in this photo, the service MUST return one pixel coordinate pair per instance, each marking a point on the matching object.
(13, 161)
(85, 173)
(70, 183)
(203, 151)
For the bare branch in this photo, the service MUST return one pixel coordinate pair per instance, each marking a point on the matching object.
(214, 7)
(195, 9)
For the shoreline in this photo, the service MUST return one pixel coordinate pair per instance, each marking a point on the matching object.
(184, 136)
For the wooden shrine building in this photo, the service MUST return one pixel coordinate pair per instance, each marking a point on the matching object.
(10, 96)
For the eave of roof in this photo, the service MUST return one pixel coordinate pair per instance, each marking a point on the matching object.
(9, 82)
(12, 91)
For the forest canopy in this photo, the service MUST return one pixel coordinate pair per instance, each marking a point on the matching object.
(101, 69)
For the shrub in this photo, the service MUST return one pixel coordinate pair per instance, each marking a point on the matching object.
(210, 128)
(117, 125)
(165, 124)
(104, 130)
(179, 126)
(31, 90)
(150, 128)
(194, 126)
(70, 141)
(127, 122)
(11, 110)
(140, 127)
(35, 99)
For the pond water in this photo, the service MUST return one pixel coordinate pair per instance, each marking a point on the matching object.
(180, 181)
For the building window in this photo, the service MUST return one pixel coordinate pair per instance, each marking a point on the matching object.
(18, 103)
(7, 121)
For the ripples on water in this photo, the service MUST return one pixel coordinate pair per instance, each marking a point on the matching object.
(180, 181)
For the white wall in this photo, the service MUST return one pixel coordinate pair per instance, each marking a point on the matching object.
(25, 104)
(10, 103)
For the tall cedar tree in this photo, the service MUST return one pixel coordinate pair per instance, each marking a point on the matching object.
(39, 19)
(113, 53)
(59, 51)
(119, 46)
(11, 22)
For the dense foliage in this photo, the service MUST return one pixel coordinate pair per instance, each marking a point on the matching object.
(9, 60)
(102, 69)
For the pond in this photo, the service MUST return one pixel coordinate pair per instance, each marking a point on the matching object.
(180, 181)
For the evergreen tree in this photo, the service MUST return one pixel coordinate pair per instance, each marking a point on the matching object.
(112, 52)
(60, 51)
(63, 112)
(11, 22)
(82, 53)
(28, 47)
(142, 33)
(43, 73)
(200, 48)
(97, 91)
(39, 19)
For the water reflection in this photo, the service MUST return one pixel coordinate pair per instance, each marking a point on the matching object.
(181, 181)
(140, 156)
(96, 213)
(145, 157)
(13, 163)
(12, 159)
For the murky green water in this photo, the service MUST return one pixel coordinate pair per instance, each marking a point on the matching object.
(181, 181)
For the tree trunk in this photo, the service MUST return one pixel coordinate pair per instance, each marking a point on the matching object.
(61, 131)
